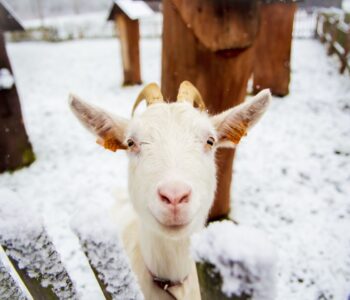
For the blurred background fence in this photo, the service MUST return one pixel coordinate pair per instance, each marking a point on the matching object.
(304, 24)
(58, 20)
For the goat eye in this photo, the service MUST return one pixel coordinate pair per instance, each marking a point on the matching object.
(210, 141)
(130, 143)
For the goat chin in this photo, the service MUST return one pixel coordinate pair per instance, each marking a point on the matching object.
(162, 250)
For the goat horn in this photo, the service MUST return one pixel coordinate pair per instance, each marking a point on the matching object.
(189, 93)
(151, 93)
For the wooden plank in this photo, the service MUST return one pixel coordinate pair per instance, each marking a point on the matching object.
(109, 263)
(15, 148)
(9, 287)
(87, 248)
(252, 271)
(129, 40)
(8, 19)
(342, 44)
(273, 49)
(221, 77)
(210, 282)
(219, 24)
(39, 266)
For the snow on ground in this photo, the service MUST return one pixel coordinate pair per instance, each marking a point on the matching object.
(89, 25)
(291, 180)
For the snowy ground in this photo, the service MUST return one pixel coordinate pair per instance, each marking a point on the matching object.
(292, 173)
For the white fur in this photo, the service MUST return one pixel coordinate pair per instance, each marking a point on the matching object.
(170, 144)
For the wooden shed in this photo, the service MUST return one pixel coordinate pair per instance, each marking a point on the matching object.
(15, 148)
(126, 15)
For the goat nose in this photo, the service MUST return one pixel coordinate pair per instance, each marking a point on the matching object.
(174, 193)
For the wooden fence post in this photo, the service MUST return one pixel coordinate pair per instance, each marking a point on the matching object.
(273, 48)
(210, 44)
(15, 148)
(126, 14)
(129, 42)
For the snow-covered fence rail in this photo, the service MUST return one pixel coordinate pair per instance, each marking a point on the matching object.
(99, 239)
(31, 253)
(31, 267)
(234, 263)
(9, 288)
(333, 29)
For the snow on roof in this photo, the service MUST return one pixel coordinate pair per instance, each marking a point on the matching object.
(243, 256)
(9, 21)
(133, 9)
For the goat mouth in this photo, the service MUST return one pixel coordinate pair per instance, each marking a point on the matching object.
(175, 226)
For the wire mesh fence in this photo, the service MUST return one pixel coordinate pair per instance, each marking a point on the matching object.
(304, 24)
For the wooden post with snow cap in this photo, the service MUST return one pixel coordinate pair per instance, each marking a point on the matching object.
(15, 148)
(210, 43)
(126, 14)
(273, 47)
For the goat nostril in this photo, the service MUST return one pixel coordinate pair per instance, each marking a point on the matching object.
(165, 199)
(184, 199)
(174, 193)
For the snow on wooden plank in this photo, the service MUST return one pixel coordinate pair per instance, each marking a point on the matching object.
(9, 287)
(31, 252)
(133, 9)
(99, 239)
(238, 261)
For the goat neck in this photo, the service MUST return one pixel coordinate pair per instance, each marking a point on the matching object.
(165, 257)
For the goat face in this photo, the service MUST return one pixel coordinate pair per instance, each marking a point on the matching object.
(171, 149)
(171, 166)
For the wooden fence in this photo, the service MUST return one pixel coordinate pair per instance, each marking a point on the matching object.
(333, 29)
(31, 267)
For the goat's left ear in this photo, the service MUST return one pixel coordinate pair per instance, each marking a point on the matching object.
(108, 129)
(233, 124)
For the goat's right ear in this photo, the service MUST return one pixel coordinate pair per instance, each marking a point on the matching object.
(108, 129)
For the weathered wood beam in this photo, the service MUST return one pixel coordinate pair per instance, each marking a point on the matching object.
(220, 76)
(9, 287)
(227, 266)
(39, 266)
(273, 48)
(129, 36)
(106, 256)
(15, 148)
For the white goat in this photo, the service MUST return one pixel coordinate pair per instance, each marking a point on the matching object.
(172, 179)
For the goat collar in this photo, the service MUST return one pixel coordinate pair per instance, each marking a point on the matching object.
(165, 284)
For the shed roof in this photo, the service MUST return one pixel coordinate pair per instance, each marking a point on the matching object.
(8, 19)
(133, 9)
